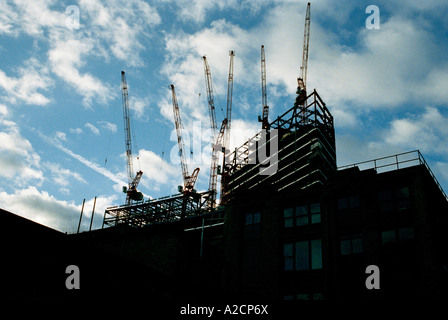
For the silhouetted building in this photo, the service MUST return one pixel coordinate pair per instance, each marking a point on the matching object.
(316, 243)
(294, 227)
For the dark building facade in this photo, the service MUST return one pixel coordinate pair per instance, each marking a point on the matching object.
(304, 230)
(317, 243)
(299, 244)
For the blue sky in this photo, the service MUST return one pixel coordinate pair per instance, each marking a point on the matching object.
(61, 127)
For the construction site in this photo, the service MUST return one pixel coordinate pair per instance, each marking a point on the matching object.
(279, 222)
(303, 138)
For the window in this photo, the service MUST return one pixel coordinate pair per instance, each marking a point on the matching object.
(315, 212)
(288, 254)
(252, 218)
(388, 236)
(303, 255)
(302, 215)
(394, 199)
(288, 217)
(351, 244)
(395, 235)
(402, 198)
(348, 202)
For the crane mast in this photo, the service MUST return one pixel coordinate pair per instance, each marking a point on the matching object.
(229, 101)
(189, 181)
(301, 81)
(210, 98)
(306, 41)
(131, 190)
(264, 99)
(213, 180)
(227, 127)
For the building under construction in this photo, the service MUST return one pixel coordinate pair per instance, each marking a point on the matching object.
(296, 150)
(301, 154)
(289, 224)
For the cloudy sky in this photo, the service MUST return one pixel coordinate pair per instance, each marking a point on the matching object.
(61, 125)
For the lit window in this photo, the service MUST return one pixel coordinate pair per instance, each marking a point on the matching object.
(303, 214)
(303, 255)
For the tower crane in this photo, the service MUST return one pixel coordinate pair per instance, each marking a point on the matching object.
(215, 155)
(210, 98)
(229, 100)
(264, 99)
(226, 145)
(131, 190)
(189, 181)
(301, 81)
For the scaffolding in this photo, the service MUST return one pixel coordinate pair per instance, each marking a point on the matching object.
(302, 152)
(166, 209)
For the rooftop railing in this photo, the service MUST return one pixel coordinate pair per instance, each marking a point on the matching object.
(396, 162)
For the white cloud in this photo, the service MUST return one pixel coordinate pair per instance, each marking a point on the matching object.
(101, 170)
(76, 130)
(33, 77)
(62, 176)
(344, 118)
(156, 171)
(379, 70)
(44, 208)
(29, 17)
(111, 27)
(138, 105)
(427, 132)
(66, 57)
(440, 170)
(198, 10)
(61, 136)
(92, 128)
(241, 131)
(18, 160)
(121, 26)
(108, 126)
(3, 110)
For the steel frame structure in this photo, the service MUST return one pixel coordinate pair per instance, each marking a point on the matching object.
(166, 209)
(306, 152)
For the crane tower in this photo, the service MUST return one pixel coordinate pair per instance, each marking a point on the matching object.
(189, 181)
(264, 99)
(131, 190)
